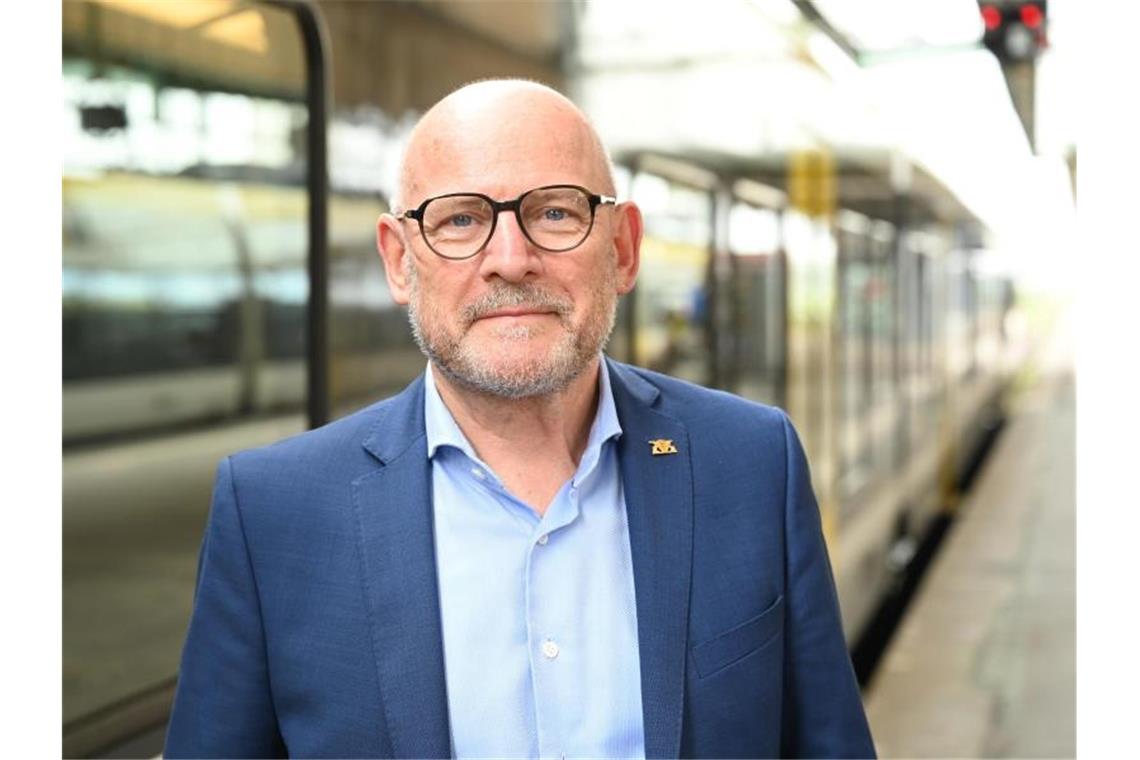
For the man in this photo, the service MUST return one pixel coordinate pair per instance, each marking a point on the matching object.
(531, 551)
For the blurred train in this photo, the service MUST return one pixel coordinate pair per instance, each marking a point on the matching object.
(189, 316)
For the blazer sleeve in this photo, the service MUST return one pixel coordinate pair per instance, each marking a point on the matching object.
(822, 712)
(223, 706)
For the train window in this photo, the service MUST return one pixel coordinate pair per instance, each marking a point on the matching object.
(137, 296)
(371, 351)
(882, 328)
(671, 309)
(811, 251)
(185, 240)
(959, 321)
(935, 337)
(857, 293)
(921, 305)
(756, 290)
(371, 354)
(995, 297)
(971, 296)
(910, 314)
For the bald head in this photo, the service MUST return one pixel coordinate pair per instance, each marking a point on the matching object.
(501, 137)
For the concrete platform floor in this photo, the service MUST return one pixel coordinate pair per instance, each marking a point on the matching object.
(984, 662)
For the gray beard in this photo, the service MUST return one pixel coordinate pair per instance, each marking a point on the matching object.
(545, 376)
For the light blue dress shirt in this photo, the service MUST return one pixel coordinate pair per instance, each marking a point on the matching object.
(539, 615)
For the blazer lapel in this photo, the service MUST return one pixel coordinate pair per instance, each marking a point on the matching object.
(394, 515)
(659, 507)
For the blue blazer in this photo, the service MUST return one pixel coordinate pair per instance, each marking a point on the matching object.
(316, 625)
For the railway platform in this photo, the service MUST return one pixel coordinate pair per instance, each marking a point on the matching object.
(984, 661)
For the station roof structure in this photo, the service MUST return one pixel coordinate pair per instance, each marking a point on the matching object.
(745, 85)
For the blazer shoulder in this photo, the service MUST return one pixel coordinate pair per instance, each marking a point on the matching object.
(342, 442)
(703, 408)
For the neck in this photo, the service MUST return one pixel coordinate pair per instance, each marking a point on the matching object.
(534, 444)
(556, 422)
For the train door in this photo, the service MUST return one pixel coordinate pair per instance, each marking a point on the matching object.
(191, 219)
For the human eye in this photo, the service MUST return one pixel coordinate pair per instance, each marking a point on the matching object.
(456, 217)
(550, 218)
(556, 209)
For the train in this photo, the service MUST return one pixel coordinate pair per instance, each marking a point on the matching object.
(220, 292)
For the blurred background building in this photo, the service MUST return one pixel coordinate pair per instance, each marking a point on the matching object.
(859, 211)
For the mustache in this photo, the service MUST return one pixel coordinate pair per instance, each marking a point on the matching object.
(506, 295)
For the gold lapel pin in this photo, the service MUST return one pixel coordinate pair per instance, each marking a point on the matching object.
(662, 446)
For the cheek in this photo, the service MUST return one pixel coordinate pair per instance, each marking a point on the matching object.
(601, 282)
(441, 292)
(586, 279)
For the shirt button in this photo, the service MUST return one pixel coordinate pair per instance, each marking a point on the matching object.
(478, 473)
(543, 539)
(550, 649)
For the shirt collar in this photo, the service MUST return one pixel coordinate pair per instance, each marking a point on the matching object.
(442, 429)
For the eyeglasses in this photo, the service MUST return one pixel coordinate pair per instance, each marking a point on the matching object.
(555, 218)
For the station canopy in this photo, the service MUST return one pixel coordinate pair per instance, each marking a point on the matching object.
(741, 86)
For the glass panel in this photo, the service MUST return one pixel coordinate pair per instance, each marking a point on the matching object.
(917, 333)
(371, 351)
(184, 293)
(671, 308)
(372, 354)
(856, 288)
(881, 314)
(811, 248)
(757, 291)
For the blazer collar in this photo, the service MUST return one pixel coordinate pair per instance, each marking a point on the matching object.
(659, 507)
(399, 423)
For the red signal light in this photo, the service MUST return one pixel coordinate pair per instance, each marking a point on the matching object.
(991, 17)
(1031, 16)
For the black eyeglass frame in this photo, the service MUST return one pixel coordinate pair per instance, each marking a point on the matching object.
(497, 207)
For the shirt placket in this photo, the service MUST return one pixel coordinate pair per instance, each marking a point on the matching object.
(550, 640)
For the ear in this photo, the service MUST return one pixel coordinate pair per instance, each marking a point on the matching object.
(627, 244)
(393, 246)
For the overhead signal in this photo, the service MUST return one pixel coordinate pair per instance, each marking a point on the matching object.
(1015, 31)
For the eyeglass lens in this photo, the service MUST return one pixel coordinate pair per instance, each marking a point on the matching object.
(556, 219)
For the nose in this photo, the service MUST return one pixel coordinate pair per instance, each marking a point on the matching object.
(509, 254)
